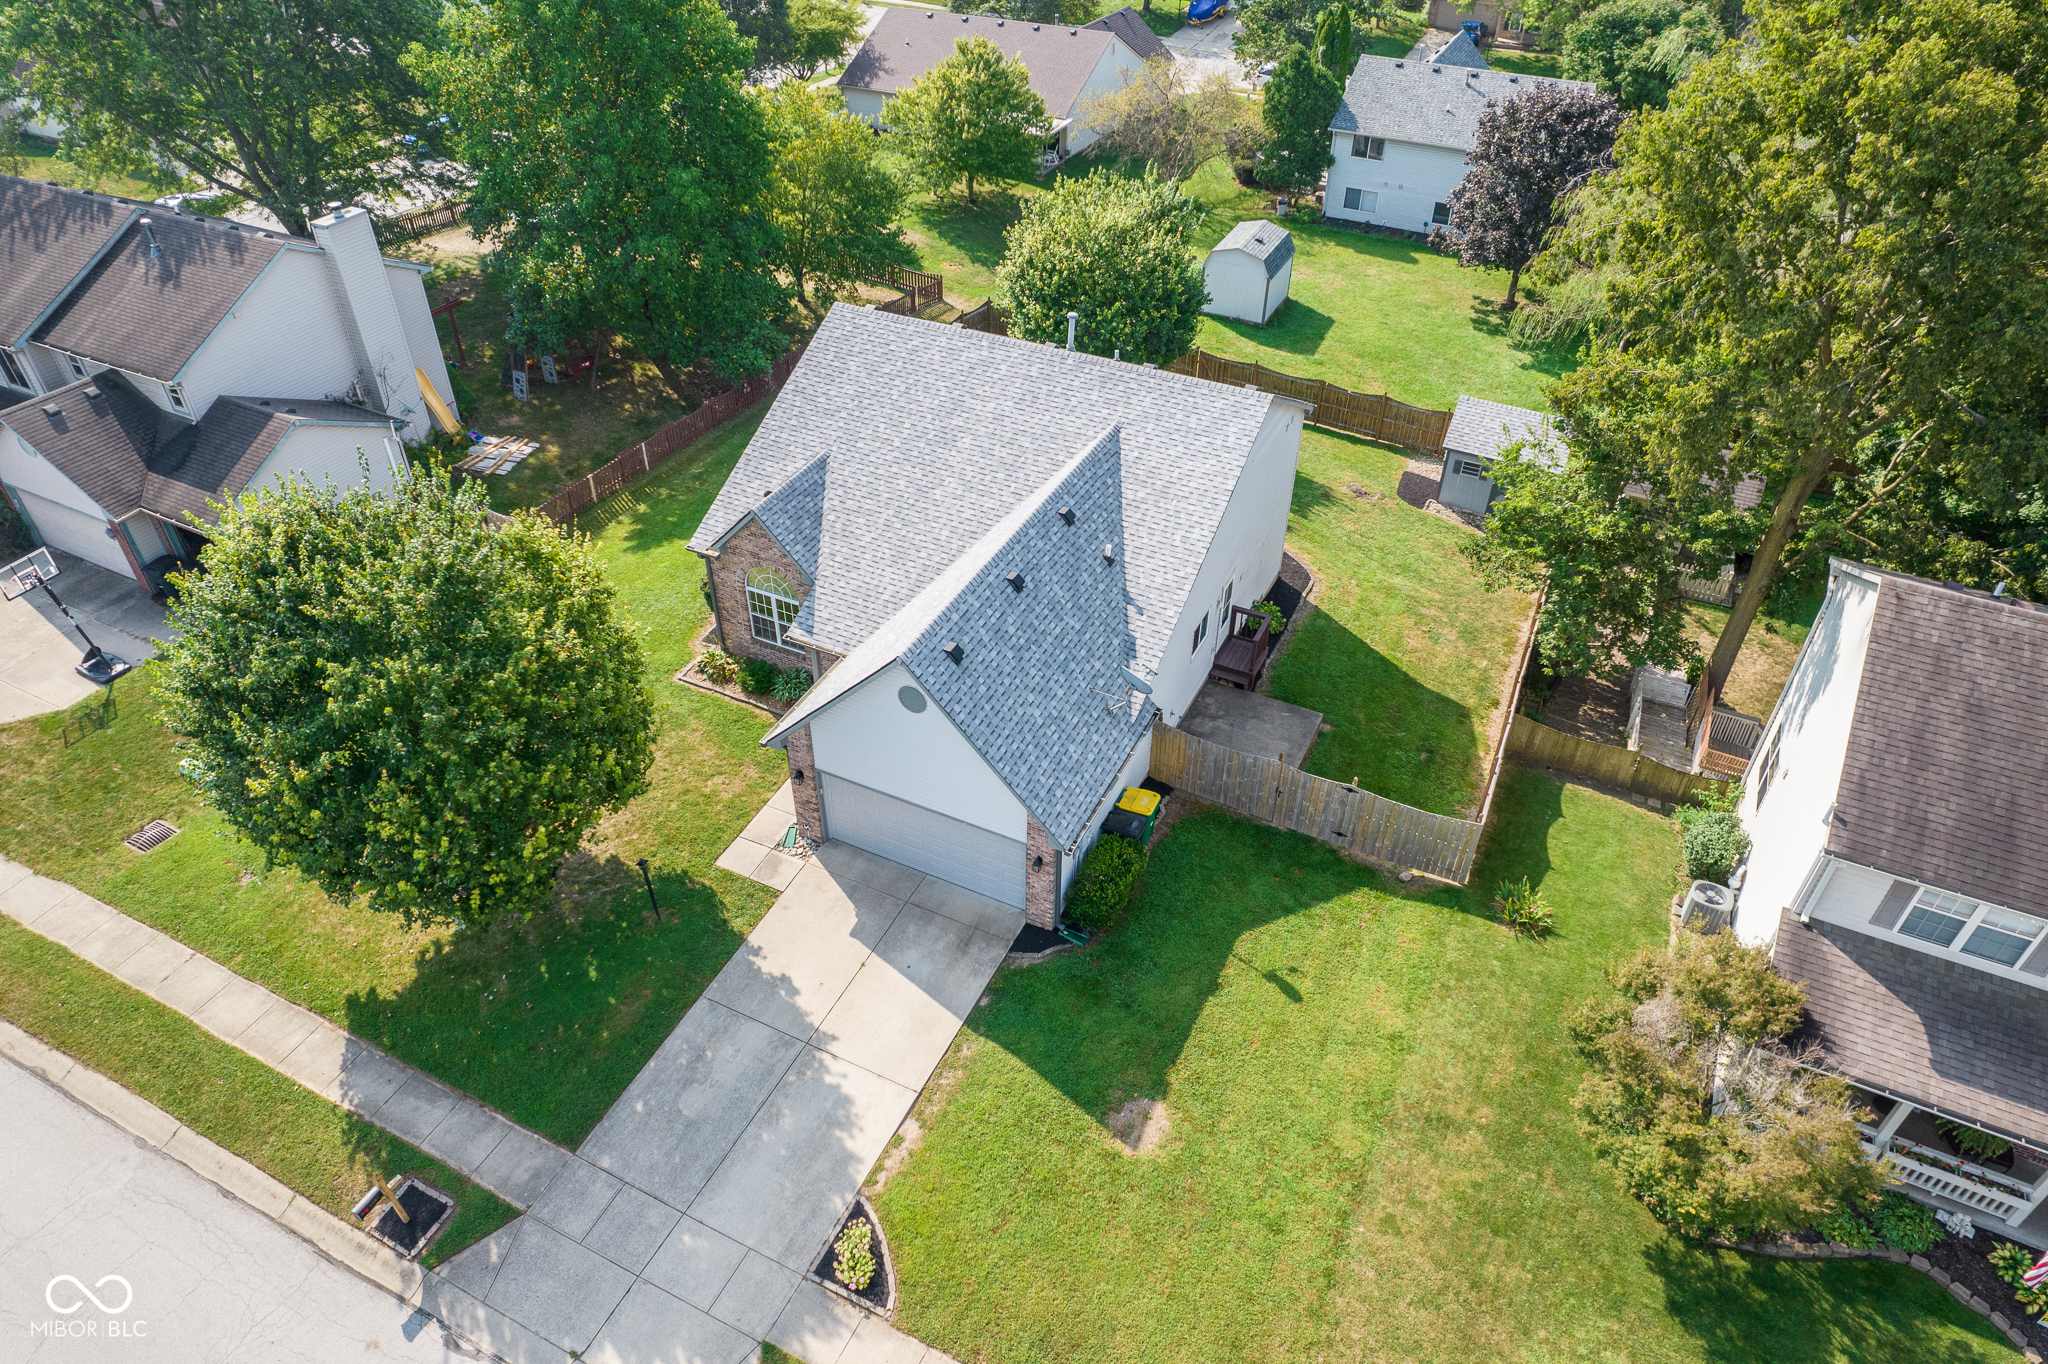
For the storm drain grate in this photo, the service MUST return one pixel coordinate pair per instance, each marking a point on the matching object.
(150, 835)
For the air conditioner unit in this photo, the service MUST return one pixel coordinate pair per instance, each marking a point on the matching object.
(1708, 907)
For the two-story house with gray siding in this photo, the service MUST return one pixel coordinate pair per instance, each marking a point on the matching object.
(1898, 807)
(144, 350)
(1403, 129)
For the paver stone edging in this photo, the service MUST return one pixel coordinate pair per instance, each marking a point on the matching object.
(1833, 1250)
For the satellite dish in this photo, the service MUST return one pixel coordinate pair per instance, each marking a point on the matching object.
(1134, 682)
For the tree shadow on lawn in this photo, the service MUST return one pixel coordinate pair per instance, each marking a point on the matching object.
(1751, 1309)
(1554, 359)
(548, 1019)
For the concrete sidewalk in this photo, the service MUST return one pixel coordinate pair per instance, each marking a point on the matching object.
(686, 1224)
(510, 1161)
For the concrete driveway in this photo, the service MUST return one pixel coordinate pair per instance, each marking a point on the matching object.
(1209, 46)
(39, 649)
(210, 1280)
(685, 1226)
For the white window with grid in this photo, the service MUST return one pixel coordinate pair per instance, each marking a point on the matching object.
(771, 607)
(2002, 936)
(1937, 916)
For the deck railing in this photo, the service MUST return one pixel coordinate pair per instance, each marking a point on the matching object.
(1959, 1181)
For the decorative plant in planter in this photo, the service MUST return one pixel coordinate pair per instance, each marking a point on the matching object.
(1981, 1147)
(719, 666)
(853, 1256)
(1271, 613)
(1523, 908)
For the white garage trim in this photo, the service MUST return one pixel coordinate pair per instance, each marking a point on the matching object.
(74, 532)
(950, 849)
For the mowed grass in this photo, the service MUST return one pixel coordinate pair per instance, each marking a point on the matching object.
(545, 1019)
(311, 1146)
(1371, 1154)
(1407, 655)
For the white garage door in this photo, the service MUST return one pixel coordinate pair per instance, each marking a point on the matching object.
(962, 853)
(74, 532)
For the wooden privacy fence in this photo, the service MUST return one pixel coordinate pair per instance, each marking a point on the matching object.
(410, 224)
(1372, 415)
(985, 317)
(1534, 741)
(919, 288)
(1359, 822)
(639, 461)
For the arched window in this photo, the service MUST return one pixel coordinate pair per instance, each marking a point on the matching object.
(770, 605)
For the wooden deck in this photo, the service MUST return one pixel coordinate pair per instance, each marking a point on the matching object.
(1243, 650)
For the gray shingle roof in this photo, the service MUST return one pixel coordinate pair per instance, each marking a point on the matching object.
(48, 237)
(1481, 429)
(795, 515)
(935, 433)
(909, 42)
(149, 316)
(1033, 689)
(1915, 1025)
(1268, 243)
(1461, 51)
(1946, 775)
(1425, 102)
(125, 452)
(1137, 35)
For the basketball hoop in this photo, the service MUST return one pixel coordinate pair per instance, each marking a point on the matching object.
(27, 573)
(34, 570)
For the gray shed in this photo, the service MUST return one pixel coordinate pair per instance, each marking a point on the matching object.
(1479, 431)
(1249, 271)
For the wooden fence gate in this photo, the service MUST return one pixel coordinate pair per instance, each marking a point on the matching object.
(1360, 822)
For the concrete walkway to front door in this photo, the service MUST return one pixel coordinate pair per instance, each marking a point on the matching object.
(684, 1227)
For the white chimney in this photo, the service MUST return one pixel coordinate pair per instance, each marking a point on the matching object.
(350, 241)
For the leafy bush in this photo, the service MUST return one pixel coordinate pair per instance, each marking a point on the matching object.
(1903, 1224)
(757, 676)
(1523, 908)
(2011, 1261)
(1103, 886)
(720, 666)
(1271, 613)
(854, 1256)
(791, 684)
(1714, 841)
(1845, 1228)
(1973, 1143)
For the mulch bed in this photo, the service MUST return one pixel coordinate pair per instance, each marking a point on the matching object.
(880, 1294)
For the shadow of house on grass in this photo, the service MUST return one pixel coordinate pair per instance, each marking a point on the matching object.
(1815, 1311)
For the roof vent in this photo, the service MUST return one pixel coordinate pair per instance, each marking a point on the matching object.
(953, 651)
(1109, 551)
(52, 411)
(1436, 70)
(1015, 580)
(999, 23)
(1398, 66)
(1514, 80)
(1067, 515)
(91, 391)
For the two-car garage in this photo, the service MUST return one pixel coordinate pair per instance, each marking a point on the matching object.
(951, 849)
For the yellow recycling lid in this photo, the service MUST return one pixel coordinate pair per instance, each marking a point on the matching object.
(1139, 801)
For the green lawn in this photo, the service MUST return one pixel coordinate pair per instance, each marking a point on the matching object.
(1371, 1154)
(1407, 655)
(315, 1148)
(546, 1019)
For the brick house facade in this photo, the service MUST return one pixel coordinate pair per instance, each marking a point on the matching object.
(1041, 876)
(803, 785)
(746, 550)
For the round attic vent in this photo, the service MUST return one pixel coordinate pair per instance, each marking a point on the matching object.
(912, 699)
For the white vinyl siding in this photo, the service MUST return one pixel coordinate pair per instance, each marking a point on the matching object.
(1110, 69)
(940, 845)
(75, 532)
(319, 454)
(286, 338)
(1399, 189)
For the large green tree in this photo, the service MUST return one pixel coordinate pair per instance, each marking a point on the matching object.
(820, 34)
(1115, 249)
(834, 201)
(1300, 101)
(972, 116)
(386, 693)
(623, 169)
(294, 104)
(1828, 255)
(1636, 50)
(1334, 41)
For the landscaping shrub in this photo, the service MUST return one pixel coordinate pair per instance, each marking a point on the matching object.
(1903, 1224)
(1271, 613)
(2012, 1263)
(1845, 1228)
(791, 684)
(1103, 886)
(757, 676)
(854, 1256)
(1712, 837)
(1523, 908)
(719, 666)
(1978, 1146)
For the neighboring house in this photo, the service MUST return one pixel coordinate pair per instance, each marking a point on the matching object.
(1898, 808)
(1401, 134)
(970, 539)
(1473, 442)
(1450, 16)
(1248, 272)
(35, 120)
(1068, 66)
(1130, 26)
(1461, 51)
(100, 471)
(152, 360)
(189, 308)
